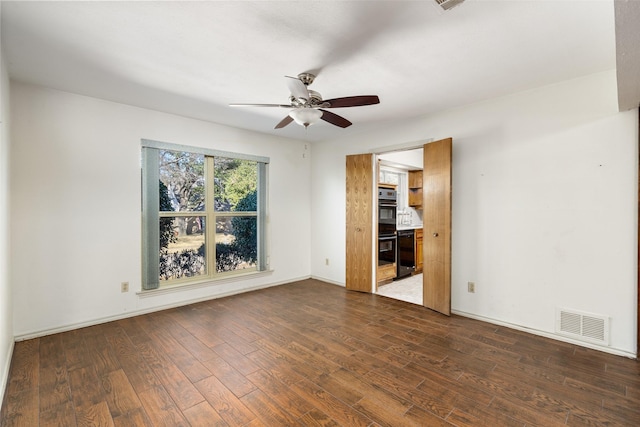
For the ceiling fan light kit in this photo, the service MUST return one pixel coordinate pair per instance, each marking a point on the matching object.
(307, 105)
(305, 116)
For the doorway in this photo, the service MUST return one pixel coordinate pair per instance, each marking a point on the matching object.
(399, 168)
(362, 190)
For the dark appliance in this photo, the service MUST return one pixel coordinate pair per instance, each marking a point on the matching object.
(406, 255)
(387, 250)
(387, 207)
(387, 239)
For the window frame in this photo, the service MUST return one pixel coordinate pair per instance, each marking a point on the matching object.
(151, 215)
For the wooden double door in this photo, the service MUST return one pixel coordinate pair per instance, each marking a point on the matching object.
(361, 212)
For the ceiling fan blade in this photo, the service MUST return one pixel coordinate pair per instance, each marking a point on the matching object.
(284, 122)
(260, 105)
(297, 88)
(352, 101)
(334, 119)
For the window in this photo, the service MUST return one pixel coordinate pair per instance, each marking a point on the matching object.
(203, 214)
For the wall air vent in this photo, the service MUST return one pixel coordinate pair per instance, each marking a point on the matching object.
(583, 326)
(448, 4)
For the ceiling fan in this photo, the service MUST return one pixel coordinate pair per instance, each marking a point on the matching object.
(307, 106)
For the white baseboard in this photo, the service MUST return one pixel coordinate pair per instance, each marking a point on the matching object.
(552, 336)
(5, 372)
(333, 282)
(69, 327)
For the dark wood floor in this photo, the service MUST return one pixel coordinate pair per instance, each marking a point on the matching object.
(310, 353)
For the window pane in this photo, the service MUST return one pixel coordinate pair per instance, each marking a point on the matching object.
(182, 247)
(181, 181)
(236, 243)
(236, 184)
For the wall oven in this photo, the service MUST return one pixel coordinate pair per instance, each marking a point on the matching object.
(387, 239)
(387, 208)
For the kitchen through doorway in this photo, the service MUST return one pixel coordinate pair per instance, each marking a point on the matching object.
(407, 289)
(402, 171)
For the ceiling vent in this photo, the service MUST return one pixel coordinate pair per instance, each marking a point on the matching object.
(583, 326)
(448, 4)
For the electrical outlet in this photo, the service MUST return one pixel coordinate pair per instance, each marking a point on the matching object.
(326, 261)
(124, 287)
(471, 287)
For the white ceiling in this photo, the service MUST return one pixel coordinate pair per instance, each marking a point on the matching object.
(194, 58)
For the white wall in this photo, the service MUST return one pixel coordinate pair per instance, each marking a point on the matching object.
(6, 309)
(544, 204)
(75, 206)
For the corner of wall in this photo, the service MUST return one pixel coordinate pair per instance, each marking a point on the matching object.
(6, 306)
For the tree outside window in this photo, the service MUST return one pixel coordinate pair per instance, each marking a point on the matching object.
(208, 218)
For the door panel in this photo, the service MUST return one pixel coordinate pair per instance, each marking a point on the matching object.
(359, 218)
(436, 185)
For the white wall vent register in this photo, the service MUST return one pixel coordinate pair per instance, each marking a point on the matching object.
(448, 4)
(588, 327)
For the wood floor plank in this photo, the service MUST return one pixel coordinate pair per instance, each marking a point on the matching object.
(181, 390)
(310, 353)
(193, 369)
(161, 409)
(75, 350)
(230, 377)
(62, 414)
(129, 358)
(315, 417)
(197, 348)
(203, 414)
(120, 395)
(94, 416)
(225, 403)
(482, 415)
(20, 406)
(281, 370)
(200, 331)
(530, 414)
(25, 365)
(267, 410)
(54, 390)
(236, 359)
(290, 401)
(137, 417)
(427, 401)
(334, 407)
(419, 417)
(86, 389)
(103, 357)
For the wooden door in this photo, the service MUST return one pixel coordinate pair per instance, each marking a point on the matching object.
(436, 189)
(359, 254)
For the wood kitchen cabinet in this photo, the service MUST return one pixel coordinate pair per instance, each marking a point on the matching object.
(418, 249)
(415, 188)
(386, 272)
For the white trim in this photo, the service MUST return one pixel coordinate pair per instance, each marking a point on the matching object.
(401, 147)
(161, 145)
(331, 282)
(5, 377)
(552, 336)
(72, 326)
(169, 289)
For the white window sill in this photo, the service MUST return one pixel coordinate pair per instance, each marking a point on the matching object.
(169, 289)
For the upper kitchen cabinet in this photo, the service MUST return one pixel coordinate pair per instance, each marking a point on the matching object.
(415, 189)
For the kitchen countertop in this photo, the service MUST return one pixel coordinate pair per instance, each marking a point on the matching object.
(401, 227)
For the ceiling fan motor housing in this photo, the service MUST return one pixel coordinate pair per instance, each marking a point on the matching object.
(306, 78)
